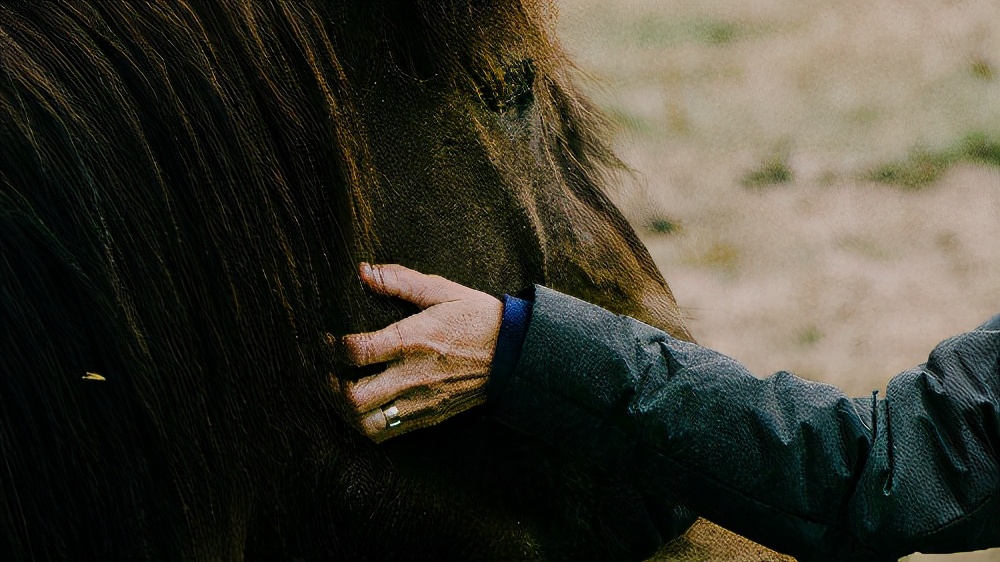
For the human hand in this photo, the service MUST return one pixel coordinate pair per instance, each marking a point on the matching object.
(439, 359)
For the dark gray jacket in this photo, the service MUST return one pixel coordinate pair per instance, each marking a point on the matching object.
(793, 464)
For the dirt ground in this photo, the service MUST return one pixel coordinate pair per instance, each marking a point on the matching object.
(818, 182)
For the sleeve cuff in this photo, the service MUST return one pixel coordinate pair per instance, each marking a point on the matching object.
(513, 329)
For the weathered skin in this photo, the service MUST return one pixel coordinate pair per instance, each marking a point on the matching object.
(184, 195)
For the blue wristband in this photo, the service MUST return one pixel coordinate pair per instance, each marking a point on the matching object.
(513, 329)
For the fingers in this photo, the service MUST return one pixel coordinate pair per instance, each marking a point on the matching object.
(440, 357)
(417, 379)
(384, 345)
(375, 424)
(402, 282)
(422, 391)
(371, 392)
(417, 410)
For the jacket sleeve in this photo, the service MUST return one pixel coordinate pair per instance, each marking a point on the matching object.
(793, 464)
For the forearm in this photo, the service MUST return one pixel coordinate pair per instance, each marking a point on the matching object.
(790, 463)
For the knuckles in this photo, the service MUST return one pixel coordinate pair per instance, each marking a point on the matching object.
(432, 348)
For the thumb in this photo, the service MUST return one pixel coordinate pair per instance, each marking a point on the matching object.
(410, 285)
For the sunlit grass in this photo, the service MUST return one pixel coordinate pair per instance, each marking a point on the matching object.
(923, 167)
(662, 225)
(981, 147)
(770, 172)
(810, 335)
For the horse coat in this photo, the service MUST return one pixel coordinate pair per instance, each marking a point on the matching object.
(185, 191)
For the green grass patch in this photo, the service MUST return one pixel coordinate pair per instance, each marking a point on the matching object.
(811, 335)
(920, 168)
(662, 225)
(773, 171)
(718, 32)
(980, 147)
(923, 167)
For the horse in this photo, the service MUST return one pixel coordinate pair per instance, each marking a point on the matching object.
(185, 191)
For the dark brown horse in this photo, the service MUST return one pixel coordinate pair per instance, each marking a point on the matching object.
(185, 189)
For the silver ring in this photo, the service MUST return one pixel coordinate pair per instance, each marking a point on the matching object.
(391, 416)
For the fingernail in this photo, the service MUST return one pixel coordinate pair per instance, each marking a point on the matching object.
(366, 269)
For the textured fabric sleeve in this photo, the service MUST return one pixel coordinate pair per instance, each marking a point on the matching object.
(792, 464)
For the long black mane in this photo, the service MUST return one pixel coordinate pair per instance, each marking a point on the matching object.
(185, 189)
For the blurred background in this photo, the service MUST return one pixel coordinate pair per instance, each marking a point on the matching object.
(819, 182)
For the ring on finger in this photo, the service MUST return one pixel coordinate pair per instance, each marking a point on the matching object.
(391, 416)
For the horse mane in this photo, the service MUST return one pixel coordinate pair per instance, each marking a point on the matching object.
(285, 61)
(208, 164)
